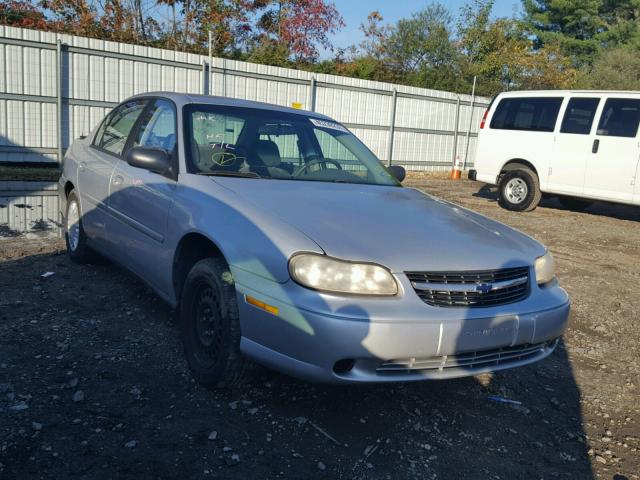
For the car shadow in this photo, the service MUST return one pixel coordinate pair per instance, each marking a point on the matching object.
(445, 429)
(596, 208)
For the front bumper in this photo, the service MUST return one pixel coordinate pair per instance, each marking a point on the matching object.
(312, 344)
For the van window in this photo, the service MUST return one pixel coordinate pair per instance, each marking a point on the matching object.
(620, 117)
(537, 114)
(579, 115)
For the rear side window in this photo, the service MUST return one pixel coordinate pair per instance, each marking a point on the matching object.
(620, 118)
(536, 114)
(579, 115)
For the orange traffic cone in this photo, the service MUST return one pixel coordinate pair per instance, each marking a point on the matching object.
(455, 173)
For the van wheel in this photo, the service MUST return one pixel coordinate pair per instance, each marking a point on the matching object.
(574, 203)
(74, 235)
(210, 325)
(519, 190)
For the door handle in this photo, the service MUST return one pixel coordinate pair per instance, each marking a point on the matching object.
(117, 180)
(82, 165)
(596, 144)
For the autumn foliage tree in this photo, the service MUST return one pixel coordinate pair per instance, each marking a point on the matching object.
(294, 28)
(23, 13)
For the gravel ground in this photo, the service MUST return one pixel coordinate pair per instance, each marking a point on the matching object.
(93, 383)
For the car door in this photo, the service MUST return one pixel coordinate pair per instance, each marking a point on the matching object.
(612, 166)
(97, 165)
(572, 146)
(140, 199)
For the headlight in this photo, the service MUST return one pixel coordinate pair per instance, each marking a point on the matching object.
(545, 269)
(329, 274)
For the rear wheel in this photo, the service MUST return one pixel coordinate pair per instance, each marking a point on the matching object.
(74, 235)
(519, 190)
(574, 203)
(210, 325)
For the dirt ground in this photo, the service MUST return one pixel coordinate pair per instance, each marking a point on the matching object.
(93, 383)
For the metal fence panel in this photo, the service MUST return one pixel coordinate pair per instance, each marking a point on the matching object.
(412, 126)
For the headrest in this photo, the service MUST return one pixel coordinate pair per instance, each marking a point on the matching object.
(267, 152)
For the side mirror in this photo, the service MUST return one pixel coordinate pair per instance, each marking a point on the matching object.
(153, 159)
(397, 171)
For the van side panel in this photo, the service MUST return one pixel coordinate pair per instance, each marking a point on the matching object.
(518, 128)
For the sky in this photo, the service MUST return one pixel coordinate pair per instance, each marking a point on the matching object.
(355, 12)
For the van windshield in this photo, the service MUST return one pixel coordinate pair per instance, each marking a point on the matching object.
(256, 143)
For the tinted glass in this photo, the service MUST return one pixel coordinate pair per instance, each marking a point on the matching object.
(579, 115)
(158, 127)
(536, 114)
(119, 125)
(620, 118)
(278, 145)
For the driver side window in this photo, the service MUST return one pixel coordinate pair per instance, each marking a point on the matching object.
(158, 127)
(112, 137)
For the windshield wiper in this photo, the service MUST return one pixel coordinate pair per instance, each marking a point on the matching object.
(227, 173)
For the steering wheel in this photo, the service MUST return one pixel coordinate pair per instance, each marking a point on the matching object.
(315, 159)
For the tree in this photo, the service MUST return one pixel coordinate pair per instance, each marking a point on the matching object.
(616, 69)
(422, 42)
(299, 25)
(22, 13)
(77, 17)
(376, 35)
(571, 25)
(622, 18)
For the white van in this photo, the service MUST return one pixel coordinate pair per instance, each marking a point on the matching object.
(577, 145)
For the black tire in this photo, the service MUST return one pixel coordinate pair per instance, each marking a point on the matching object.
(76, 240)
(210, 326)
(519, 190)
(574, 203)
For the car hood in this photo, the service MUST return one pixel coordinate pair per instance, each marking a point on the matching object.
(401, 228)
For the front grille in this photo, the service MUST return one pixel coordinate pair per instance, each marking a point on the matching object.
(470, 360)
(471, 289)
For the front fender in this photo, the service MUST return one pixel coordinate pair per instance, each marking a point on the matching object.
(250, 238)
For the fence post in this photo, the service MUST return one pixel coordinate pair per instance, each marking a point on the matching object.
(312, 94)
(466, 148)
(392, 126)
(205, 83)
(455, 134)
(210, 89)
(59, 79)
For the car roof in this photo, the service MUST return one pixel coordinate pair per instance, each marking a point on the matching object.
(181, 99)
(537, 93)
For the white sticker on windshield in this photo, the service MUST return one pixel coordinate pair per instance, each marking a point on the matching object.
(325, 124)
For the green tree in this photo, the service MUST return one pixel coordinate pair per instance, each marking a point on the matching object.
(503, 57)
(571, 25)
(421, 47)
(615, 69)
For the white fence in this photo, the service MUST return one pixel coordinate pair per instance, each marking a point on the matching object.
(54, 88)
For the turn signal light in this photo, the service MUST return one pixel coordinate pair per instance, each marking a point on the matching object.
(260, 304)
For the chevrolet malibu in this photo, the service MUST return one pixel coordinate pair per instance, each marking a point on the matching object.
(280, 238)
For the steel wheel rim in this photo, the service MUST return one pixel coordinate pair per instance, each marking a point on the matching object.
(73, 225)
(207, 331)
(516, 190)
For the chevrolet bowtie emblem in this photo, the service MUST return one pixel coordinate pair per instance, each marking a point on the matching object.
(484, 287)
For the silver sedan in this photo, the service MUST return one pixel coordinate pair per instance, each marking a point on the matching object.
(282, 239)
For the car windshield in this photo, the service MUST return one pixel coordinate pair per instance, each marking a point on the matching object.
(257, 144)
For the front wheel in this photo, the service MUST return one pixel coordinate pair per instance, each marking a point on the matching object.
(210, 325)
(74, 235)
(519, 190)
